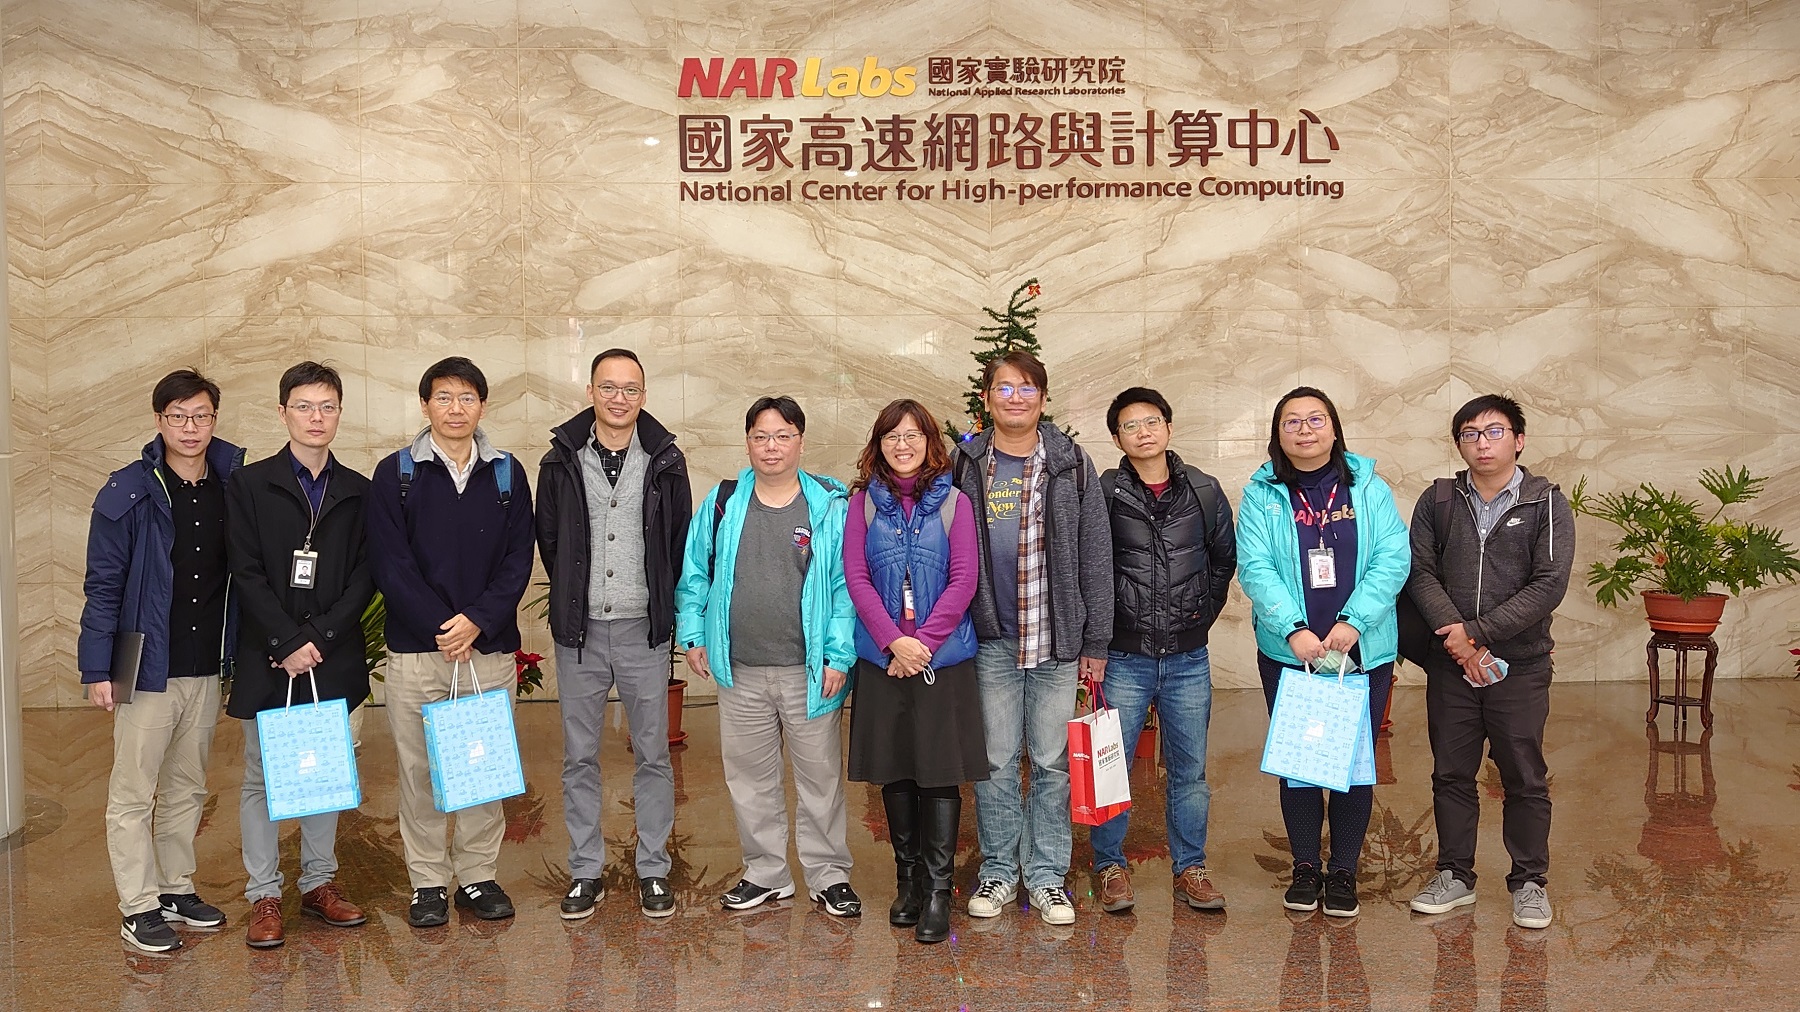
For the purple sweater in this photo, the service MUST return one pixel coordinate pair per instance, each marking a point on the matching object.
(949, 610)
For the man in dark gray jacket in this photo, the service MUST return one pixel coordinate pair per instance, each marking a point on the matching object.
(1043, 609)
(1489, 568)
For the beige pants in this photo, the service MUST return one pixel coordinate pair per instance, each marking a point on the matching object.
(431, 860)
(160, 745)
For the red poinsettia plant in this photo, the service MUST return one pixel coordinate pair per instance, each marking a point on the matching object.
(525, 668)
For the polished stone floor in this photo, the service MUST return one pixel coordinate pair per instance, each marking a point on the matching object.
(1670, 877)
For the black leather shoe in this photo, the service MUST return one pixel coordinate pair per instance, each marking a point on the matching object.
(579, 901)
(654, 897)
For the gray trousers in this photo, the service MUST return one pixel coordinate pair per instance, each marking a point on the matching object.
(762, 708)
(262, 838)
(616, 654)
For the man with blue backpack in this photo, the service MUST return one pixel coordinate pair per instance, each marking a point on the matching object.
(451, 540)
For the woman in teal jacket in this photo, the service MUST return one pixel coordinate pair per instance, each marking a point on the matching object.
(1322, 554)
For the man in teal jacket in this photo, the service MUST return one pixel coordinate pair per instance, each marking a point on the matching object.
(780, 655)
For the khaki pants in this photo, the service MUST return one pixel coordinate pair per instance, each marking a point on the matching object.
(764, 708)
(431, 860)
(160, 745)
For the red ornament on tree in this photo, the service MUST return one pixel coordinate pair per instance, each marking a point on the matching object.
(1033, 290)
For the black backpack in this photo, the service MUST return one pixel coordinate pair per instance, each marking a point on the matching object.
(1418, 638)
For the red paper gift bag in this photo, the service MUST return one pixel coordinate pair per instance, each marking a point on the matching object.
(1099, 779)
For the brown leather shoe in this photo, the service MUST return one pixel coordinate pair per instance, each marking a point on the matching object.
(265, 931)
(1115, 889)
(1193, 886)
(329, 905)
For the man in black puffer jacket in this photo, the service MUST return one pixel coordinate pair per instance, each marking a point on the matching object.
(1174, 552)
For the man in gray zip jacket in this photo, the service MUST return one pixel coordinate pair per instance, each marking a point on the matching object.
(1488, 583)
(1043, 611)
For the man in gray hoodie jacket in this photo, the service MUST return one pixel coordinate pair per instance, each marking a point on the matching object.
(1043, 612)
(1489, 568)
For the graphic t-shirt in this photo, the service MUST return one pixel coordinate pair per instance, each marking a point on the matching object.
(1005, 496)
(1324, 517)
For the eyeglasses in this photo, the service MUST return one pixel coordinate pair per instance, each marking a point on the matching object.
(203, 420)
(1493, 434)
(782, 439)
(1313, 422)
(445, 400)
(1152, 424)
(608, 392)
(327, 409)
(1006, 391)
(909, 438)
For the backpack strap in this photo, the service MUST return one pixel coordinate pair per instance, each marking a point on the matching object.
(503, 477)
(727, 489)
(1443, 491)
(406, 472)
(1208, 491)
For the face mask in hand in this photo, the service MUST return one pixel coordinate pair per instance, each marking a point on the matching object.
(1492, 668)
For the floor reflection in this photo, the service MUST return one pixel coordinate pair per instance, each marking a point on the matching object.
(1701, 905)
(1689, 890)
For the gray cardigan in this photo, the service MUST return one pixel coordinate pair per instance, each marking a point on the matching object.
(1079, 537)
(1503, 593)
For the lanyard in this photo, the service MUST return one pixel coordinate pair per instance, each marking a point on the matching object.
(313, 525)
(1321, 518)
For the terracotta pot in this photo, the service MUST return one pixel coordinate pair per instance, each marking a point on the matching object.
(677, 693)
(1669, 613)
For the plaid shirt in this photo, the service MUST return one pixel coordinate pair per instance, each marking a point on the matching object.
(1034, 561)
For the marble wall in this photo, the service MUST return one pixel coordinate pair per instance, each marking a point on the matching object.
(1589, 204)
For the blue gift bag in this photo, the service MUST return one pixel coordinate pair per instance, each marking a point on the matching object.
(309, 761)
(473, 750)
(1315, 727)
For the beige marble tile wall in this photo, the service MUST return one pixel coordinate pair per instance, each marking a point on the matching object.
(1589, 204)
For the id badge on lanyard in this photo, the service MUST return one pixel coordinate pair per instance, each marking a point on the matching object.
(906, 599)
(1321, 562)
(1321, 568)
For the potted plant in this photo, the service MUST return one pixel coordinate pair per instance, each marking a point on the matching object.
(1673, 550)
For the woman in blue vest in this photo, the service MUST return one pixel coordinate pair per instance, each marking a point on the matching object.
(911, 561)
(1322, 554)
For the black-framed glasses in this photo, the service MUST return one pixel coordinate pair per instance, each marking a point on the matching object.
(1313, 422)
(1493, 434)
(176, 420)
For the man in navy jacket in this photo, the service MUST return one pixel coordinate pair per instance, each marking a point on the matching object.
(452, 549)
(157, 568)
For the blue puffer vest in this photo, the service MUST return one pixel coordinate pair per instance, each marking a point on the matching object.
(897, 544)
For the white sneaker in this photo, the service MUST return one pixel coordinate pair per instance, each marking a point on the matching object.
(1053, 905)
(992, 898)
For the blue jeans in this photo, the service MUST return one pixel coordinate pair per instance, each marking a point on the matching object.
(1181, 687)
(1024, 708)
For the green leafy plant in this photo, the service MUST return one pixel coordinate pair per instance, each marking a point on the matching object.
(374, 623)
(1669, 542)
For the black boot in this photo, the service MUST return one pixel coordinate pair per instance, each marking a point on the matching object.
(940, 820)
(903, 832)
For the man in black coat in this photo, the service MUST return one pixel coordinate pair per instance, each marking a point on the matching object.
(1174, 551)
(301, 566)
(612, 517)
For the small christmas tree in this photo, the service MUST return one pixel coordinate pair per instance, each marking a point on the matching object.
(1013, 330)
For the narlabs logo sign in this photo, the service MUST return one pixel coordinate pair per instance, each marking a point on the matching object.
(780, 77)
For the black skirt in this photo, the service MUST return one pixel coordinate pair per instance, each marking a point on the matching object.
(904, 729)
